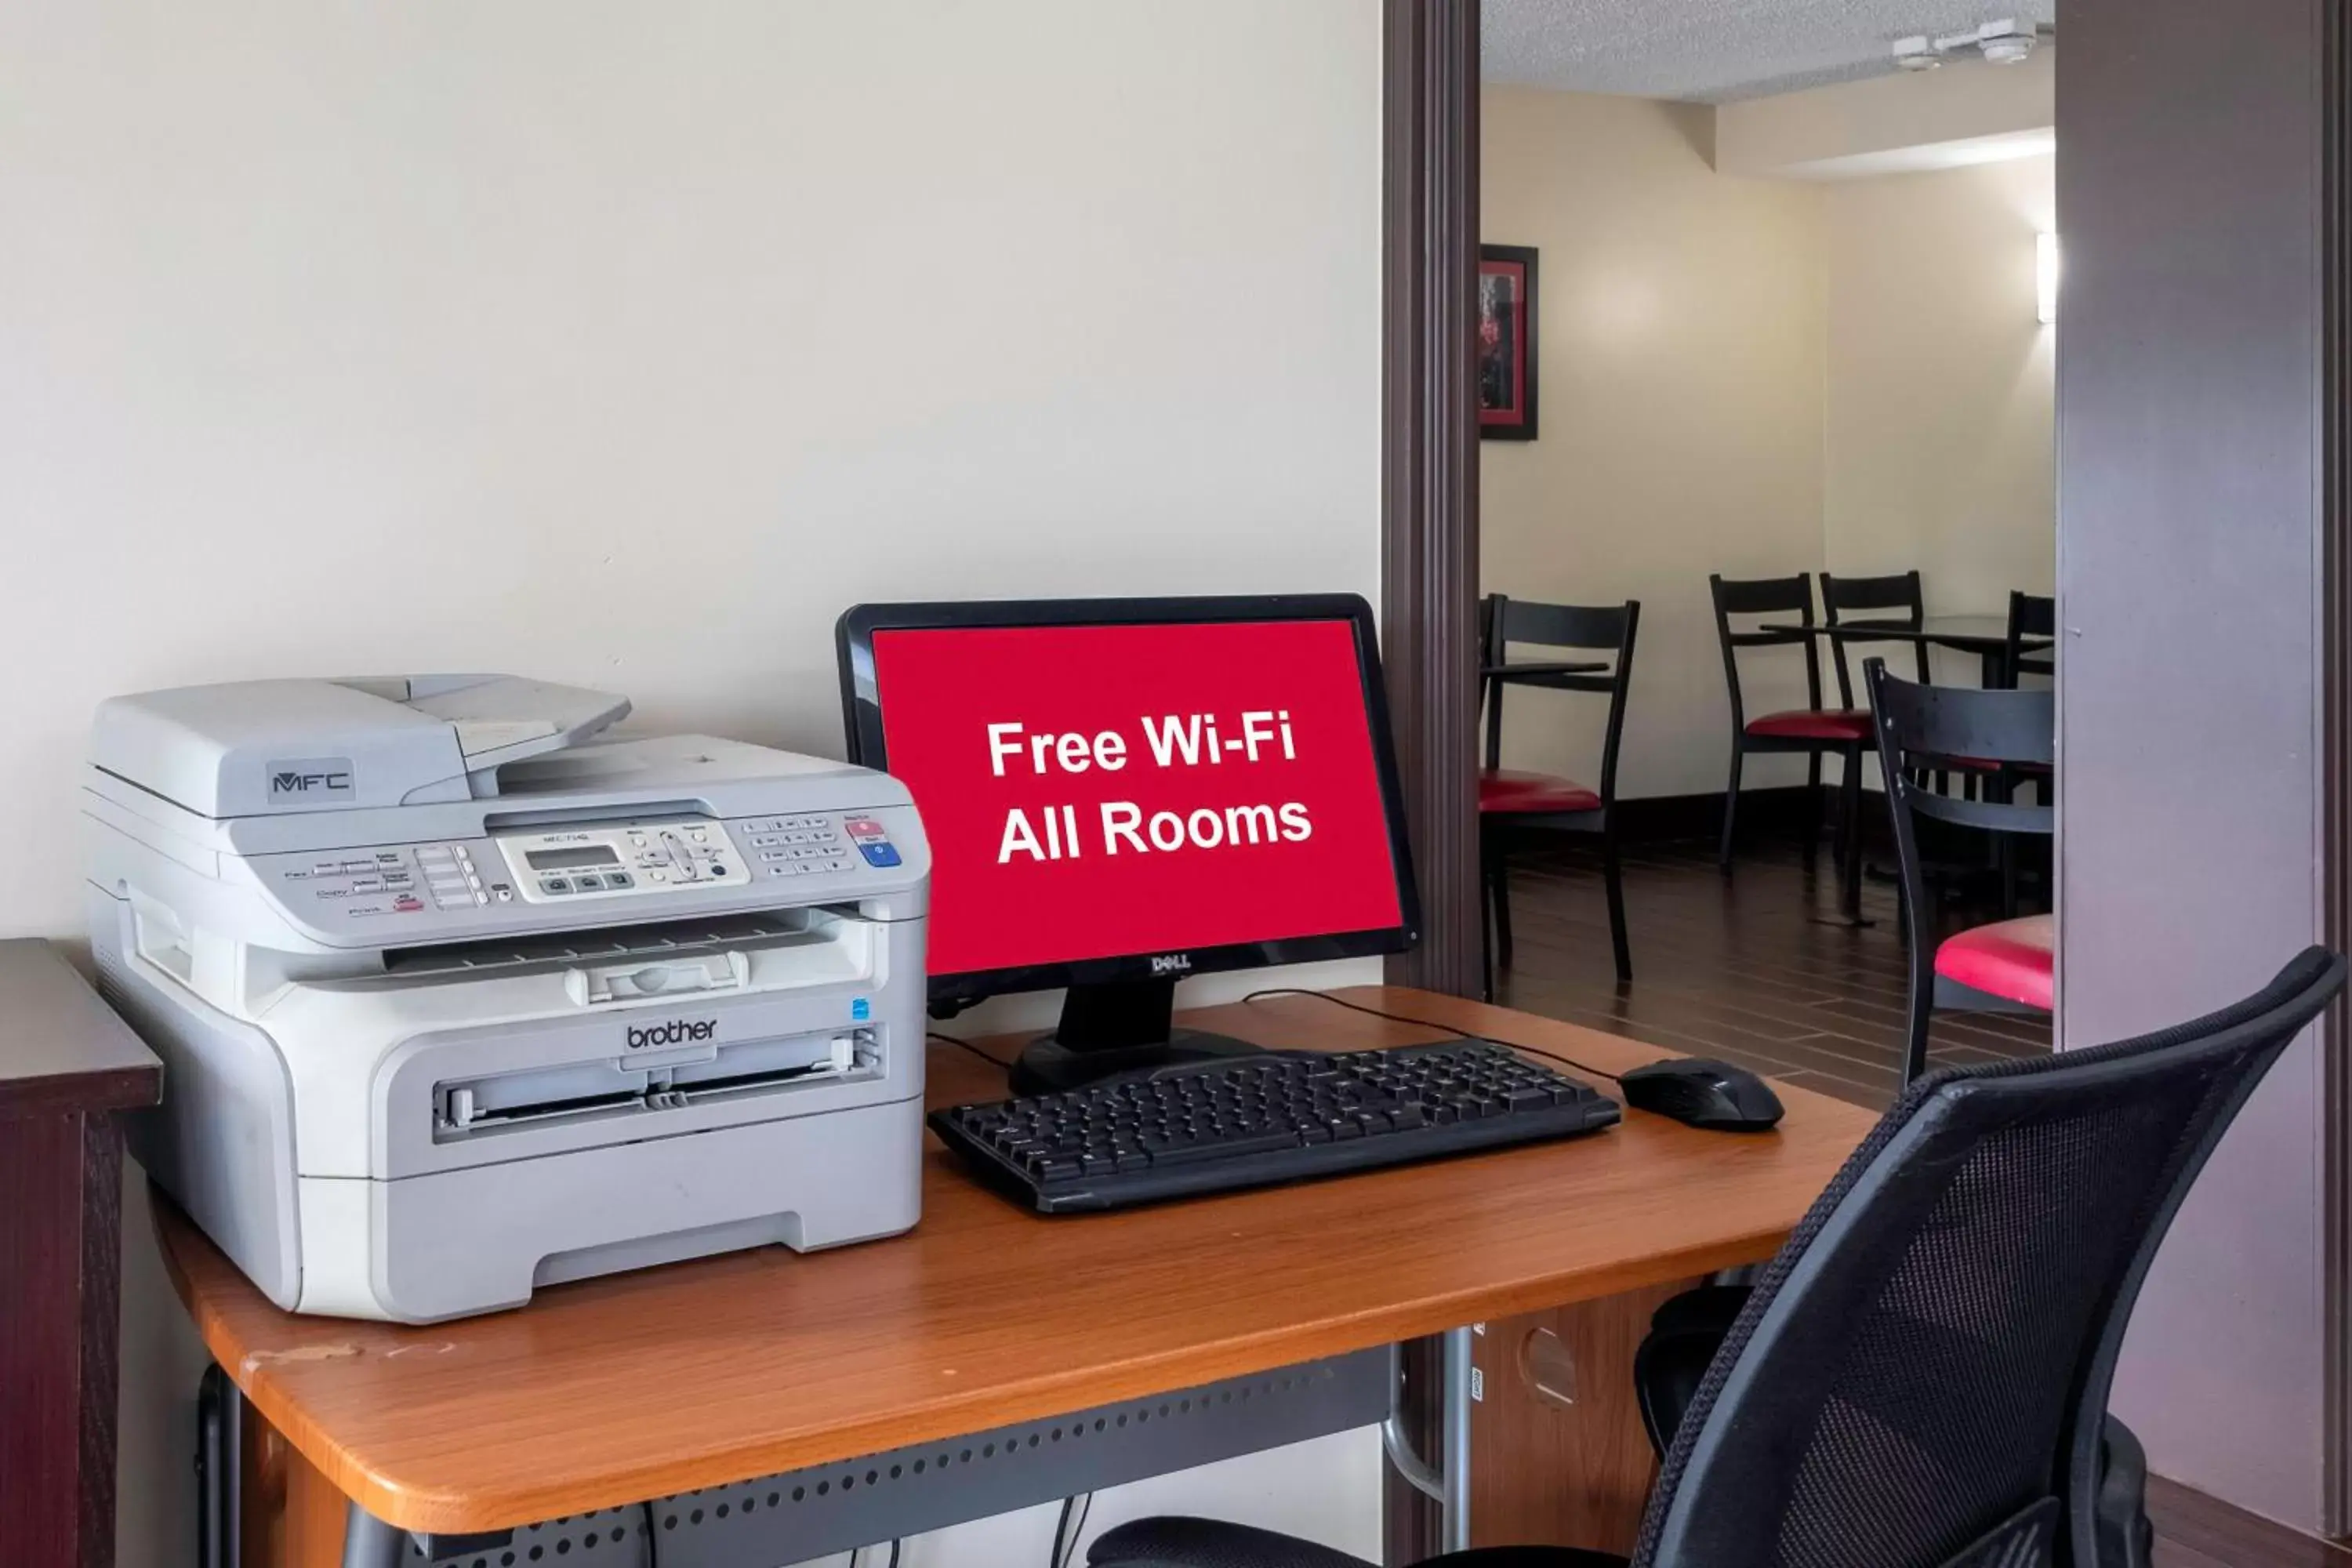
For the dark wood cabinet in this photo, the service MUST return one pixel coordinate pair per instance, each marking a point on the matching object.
(68, 1067)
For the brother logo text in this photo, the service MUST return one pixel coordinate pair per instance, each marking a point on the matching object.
(677, 1032)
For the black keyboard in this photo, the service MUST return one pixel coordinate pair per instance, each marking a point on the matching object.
(1249, 1121)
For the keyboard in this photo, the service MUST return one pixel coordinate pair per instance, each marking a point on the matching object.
(1252, 1122)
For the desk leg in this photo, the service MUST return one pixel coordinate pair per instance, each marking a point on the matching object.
(1562, 1456)
(1461, 1372)
(369, 1542)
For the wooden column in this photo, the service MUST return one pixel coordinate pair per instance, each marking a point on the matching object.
(1429, 542)
(1429, 481)
(67, 1066)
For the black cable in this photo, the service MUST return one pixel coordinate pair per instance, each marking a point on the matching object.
(653, 1539)
(1429, 1023)
(894, 1552)
(966, 1045)
(1066, 1539)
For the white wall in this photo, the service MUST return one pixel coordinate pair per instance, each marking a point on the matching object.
(625, 345)
(1682, 359)
(1941, 440)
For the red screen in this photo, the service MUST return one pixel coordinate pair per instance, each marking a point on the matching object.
(1103, 791)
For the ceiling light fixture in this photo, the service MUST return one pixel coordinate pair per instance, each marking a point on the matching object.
(2006, 42)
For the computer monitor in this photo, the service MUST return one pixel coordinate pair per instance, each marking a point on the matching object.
(1121, 792)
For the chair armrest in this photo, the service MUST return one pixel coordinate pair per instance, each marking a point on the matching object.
(1177, 1542)
(1684, 1336)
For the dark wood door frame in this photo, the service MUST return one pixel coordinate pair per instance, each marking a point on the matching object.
(1429, 466)
(1429, 543)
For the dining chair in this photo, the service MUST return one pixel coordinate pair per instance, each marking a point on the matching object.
(1920, 1378)
(2006, 966)
(1896, 600)
(1514, 803)
(2032, 617)
(1813, 729)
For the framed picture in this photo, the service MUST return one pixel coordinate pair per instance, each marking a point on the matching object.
(1507, 343)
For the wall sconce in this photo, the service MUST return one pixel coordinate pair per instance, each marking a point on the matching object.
(2045, 275)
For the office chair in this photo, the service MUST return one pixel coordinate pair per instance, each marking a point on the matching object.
(1812, 730)
(1919, 1380)
(2009, 965)
(1512, 803)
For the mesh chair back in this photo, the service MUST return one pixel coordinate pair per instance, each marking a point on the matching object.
(1920, 1379)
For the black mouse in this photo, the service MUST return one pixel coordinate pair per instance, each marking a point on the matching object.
(1699, 1092)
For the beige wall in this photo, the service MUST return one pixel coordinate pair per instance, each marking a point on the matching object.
(1940, 435)
(350, 339)
(1908, 122)
(1757, 377)
(1682, 358)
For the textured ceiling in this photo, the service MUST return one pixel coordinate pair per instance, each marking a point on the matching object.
(1712, 51)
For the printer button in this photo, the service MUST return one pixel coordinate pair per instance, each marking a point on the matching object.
(879, 852)
(588, 882)
(619, 879)
(367, 885)
(555, 884)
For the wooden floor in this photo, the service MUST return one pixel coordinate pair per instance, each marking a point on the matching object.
(1748, 968)
(1745, 970)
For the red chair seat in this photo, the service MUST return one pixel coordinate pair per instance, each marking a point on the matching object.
(2012, 960)
(1840, 725)
(1530, 795)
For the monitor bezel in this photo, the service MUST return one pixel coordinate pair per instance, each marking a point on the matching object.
(862, 723)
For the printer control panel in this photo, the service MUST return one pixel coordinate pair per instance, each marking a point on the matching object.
(629, 859)
(446, 885)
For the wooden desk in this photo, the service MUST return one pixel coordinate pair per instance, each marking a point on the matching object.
(68, 1067)
(609, 1392)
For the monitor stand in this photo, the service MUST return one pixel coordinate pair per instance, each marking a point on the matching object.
(1113, 1027)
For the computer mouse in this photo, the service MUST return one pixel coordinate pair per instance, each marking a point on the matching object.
(1700, 1092)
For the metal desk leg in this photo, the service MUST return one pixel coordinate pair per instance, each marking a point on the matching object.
(369, 1542)
(220, 1484)
(1453, 1528)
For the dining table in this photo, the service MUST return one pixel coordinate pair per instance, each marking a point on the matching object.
(1985, 635)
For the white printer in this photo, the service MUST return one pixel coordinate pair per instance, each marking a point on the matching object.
(455, 1000)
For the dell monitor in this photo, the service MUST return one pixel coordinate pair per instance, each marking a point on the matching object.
(1121, 792)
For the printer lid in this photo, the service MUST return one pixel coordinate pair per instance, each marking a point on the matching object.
(262, 748)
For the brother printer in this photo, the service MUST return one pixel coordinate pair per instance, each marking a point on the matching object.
(455, 999)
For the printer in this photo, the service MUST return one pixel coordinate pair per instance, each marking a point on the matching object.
(457, 997)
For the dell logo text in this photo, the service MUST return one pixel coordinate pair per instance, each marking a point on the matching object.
(1173, 964)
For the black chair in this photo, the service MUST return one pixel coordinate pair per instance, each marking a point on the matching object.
(2031, 616)
(1512, 804)
(1895, 601)
(1919, 1380)
(1813, 729)
(2009, 965)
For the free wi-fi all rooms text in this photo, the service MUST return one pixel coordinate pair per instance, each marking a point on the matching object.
(1262, 739)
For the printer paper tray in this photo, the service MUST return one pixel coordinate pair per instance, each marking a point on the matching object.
(494, 1102)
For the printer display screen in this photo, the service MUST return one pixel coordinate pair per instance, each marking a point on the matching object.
(571, 857)
(1107, 790)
